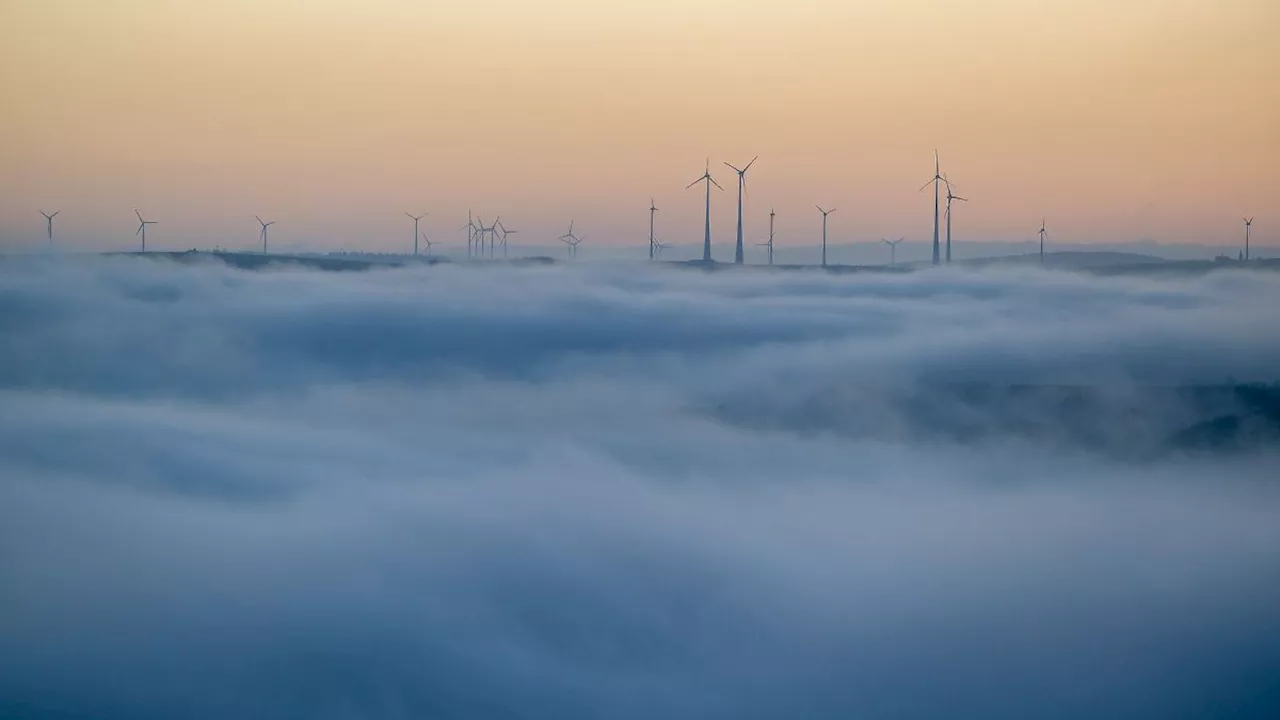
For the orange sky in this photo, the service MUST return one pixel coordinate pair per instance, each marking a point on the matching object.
(1117, 119)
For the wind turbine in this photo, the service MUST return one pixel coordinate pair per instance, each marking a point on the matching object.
(415, 219)
(706, 239)
(1043, 233)
(742, 186)
(652, 209)
(493, 234)
(770, 243)
(893, 250)
(470, 227)
(950, 197)
(937, 178)
(142, 228)
(263, 235)
(426, 240)
(1248, 226)
(48, 220)
(571, 240)
(505, 232)
(825, 213)
(660, 246)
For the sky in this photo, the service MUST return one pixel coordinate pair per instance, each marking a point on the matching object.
(592, 490)
(1117, 120)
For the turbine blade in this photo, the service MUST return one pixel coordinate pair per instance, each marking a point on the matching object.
(753, 162)
(713, 182)
(695, 182)
(931, 181)
(135, 212)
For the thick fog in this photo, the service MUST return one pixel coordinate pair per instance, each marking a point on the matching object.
(616, 491)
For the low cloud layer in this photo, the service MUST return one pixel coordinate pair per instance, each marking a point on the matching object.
(625, 492)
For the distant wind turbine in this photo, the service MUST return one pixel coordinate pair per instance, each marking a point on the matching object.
(937, 178)
(263, 235)
(950, 197)
(48, 220)
(825, 213)
(427, 241)
(652, 209)
(742, 186)
(142, 228)
(770, 243)
(659, 246)
(893, 250)
(1248, 226)
(571, 240)
(415, 219)
(706, 238)
(505, 232)
(1043, 233)
(470, 227)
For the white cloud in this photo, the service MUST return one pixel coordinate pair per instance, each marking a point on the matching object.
(627, 492)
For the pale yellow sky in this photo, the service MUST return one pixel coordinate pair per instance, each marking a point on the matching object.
(1117, 119)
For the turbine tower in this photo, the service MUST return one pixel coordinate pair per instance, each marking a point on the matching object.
(770, 243)
(263, 235)
(571, 240)
(893, 250)
(652, 209)
(706, 238)
(825, 213)
(742, 186)
(48, 222)
(1043, 233)
(937, 178)
(142, 228)
(415, 219)
(505, 232)
(950, 197)
(1248, 226)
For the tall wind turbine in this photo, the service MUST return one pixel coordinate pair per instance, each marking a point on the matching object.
(142, 228)
(950, 197)
(505, 232)
(825, 213)
(427, 241)
(742, 186)
(770, 243)
(1248, 226)
(652, 209)
(706, 239)
(415, 219)
(571, 240)
(470, 227)
(48, 221)
(263, 235)
(1043, 233)
(893, 250)
(937, 178)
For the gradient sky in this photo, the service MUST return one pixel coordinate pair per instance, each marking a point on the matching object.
(1116, 119)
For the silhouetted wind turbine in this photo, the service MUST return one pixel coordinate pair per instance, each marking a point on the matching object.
(825, 213)
(263, 235)
(142, 228)
(652, 209)
(660, 246)
(706, 239)
(1248, 226)
(505, 232)
(742, 186)
(470, 227)
(48, 220)
(770, 243)
(571, 240)
(893, 250)
(937, 178)
(415, 219)
(950, 197)
(427, 241)
(1043, 233)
